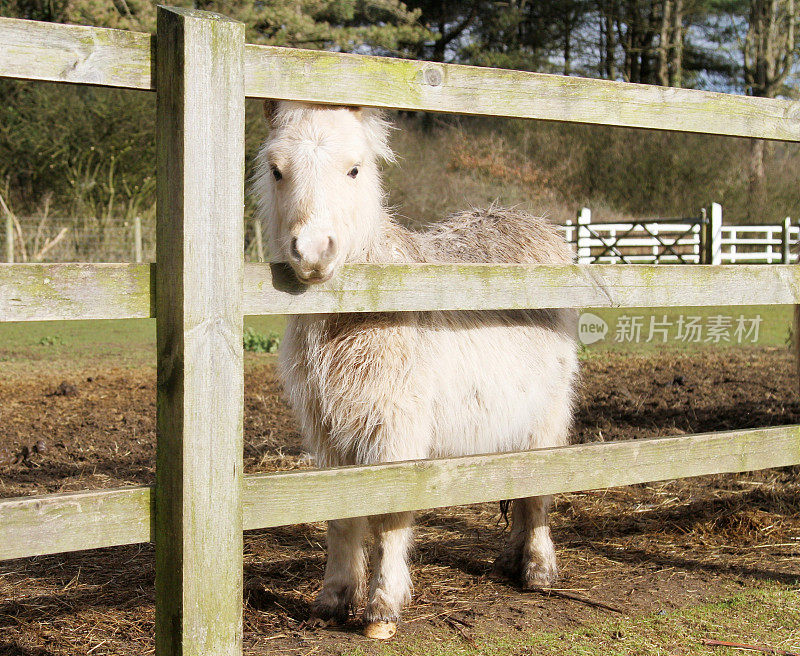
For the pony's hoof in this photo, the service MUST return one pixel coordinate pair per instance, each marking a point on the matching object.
(380, 630)
(537, 577)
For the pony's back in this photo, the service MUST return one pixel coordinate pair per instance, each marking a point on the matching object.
(495, 235)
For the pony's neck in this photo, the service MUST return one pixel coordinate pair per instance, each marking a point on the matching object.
(391, 242)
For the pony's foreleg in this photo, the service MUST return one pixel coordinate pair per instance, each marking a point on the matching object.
(390, 587)
(539, 568)
(530, 554)
(345, 572)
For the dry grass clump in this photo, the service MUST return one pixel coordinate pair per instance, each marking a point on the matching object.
(494, 158)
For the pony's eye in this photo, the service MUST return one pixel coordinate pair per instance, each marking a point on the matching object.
(353, 172)
(276, 173)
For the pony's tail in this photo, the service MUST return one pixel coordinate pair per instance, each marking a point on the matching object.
(504, 508)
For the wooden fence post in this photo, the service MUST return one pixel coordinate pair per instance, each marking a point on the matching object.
(259, 239)
(137, 239)
(583, 248)
(9, 239)
(702, 246)
(715, 235)
(199, 279)
(786, 253)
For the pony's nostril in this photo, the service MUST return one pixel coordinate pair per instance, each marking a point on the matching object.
(330, 250)
(293, 249)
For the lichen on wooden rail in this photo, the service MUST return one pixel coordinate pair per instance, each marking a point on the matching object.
(66, 522)
(41, 292)
(294, 497)
(106, 57)
(272, 289)
(38, 292)
(72, 521)
(35, 50)
(339, 78)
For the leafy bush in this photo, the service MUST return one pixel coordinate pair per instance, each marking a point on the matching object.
(257, 342)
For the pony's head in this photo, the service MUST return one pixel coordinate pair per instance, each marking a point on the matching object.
(318, 184)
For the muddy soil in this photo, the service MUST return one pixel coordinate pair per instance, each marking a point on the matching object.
(627, 551)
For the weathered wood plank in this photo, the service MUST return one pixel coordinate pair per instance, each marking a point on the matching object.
(338, 78)
(295, 497)
(796, 340)
(64, 522)
(87, 55)
(53, 523)
(200, 392)
(40, 292)
(272, 289)
(34, 50)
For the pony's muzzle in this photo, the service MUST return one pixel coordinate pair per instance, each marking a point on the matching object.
(312, 256)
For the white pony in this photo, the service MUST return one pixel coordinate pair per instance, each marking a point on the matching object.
(372, 388)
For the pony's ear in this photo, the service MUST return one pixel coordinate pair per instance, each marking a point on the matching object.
(270, 111)
(377, 130)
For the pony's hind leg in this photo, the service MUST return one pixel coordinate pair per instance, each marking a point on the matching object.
(530, 555)
(345, 572)
(390, 587)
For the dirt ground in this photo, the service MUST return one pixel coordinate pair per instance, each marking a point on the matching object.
(627, 551)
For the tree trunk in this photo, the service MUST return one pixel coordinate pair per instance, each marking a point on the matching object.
(664, 49)
(568, 48)
(610, 55)
(769, 52)
(756, 182)
(676, 50)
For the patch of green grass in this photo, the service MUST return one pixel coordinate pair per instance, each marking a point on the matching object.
(128, 342)
(767, 617)
(132, 342)
(257, 342)
(118, 343)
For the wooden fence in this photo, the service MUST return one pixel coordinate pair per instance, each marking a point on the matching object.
(93, 239)
(201, 71)
(703, 239)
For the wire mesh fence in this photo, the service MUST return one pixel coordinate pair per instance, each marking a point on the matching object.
(94, 239)
(114, 239)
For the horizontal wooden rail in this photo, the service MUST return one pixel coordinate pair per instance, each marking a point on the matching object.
(337, 78)
(100, 56)
(72, 521)
(371, 288)
(35, 50)
(38, 292)
(85, 520)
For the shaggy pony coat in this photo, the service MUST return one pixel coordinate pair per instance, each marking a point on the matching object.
(372, 388)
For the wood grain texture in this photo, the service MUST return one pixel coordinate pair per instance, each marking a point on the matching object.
(40, 292)
(338, 78)
(34, 50)
(53, 523)
(295, 497)
(37, 292)
(200, 391)
(272, 289)
(64, 522)
(796, 341)
(87, 55)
